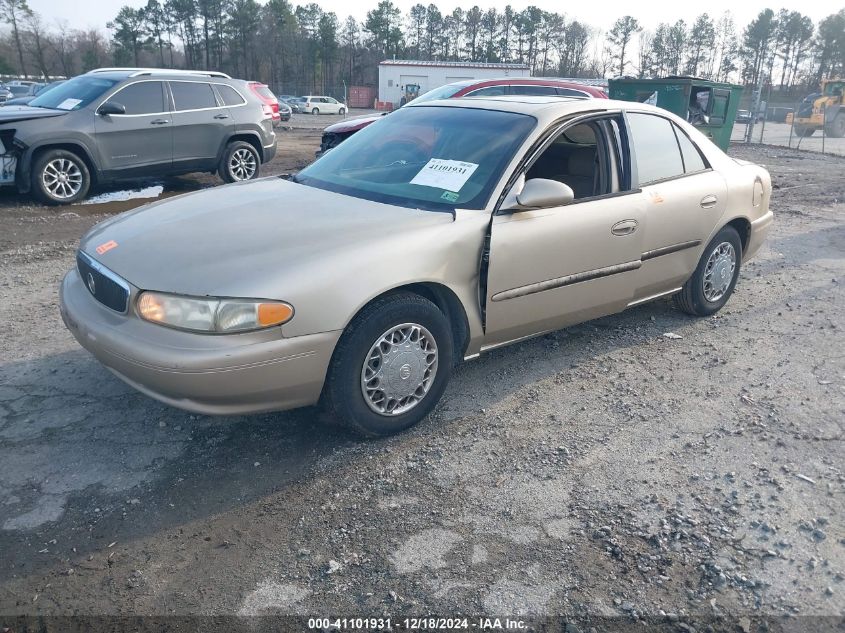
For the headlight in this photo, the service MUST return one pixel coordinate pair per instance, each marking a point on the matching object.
(212, 315)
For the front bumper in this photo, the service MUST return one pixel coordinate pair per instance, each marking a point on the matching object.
(210, 374)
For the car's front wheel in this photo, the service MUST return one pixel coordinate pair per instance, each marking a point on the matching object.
(715, 277)
(240, 162)
(342, 111)
(60, 177)
(390, 366)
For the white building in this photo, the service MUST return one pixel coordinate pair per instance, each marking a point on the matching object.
(395, 74)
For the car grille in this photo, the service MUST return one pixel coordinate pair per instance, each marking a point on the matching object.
(104, 285)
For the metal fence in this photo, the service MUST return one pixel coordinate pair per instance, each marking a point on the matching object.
(783, 134)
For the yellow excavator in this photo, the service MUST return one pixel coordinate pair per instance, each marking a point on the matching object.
(825, 109)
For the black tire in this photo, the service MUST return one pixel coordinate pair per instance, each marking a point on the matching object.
(315, 111)
(692, 299)
(45, 187)
(343, 400)
(342, 111)
(231, 169)
(836, 128)
(800, 130)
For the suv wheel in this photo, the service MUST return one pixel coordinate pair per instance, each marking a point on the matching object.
(390, 367)
(315, 111)
(60, 177)
(240, 162)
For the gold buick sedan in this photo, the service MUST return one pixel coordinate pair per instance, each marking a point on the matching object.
(445, 230)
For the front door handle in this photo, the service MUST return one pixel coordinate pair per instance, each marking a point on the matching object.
(221, 116)
(708, 202)
(159, 122)
(624, 227)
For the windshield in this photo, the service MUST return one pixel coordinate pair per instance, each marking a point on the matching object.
(73, 94)
(834, 89)
(435, 158)
(443, 92)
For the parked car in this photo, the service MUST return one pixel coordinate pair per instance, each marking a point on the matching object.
(115, 123)
(449, 229)
(263, 92)
(323, 105)
(33, 92)
(335, 134)
(5, 94)
(285, 111)
(18, 90)
(297, 105)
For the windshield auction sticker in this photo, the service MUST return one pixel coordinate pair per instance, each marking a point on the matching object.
(69, 104)
(450, 175)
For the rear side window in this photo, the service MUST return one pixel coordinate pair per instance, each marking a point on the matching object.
(145, 97)
(571, 92)
(656, 148)
(229, 95)
(192, 95)
(692, 157)
(533, 90)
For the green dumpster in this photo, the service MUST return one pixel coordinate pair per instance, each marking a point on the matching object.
(709, 105)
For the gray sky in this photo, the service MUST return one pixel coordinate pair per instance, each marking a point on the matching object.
(599, 13)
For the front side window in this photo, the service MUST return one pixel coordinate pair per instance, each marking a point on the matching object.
(145, 97)
(75, 93)
(192, 95)
(656, 149)
(433, 158)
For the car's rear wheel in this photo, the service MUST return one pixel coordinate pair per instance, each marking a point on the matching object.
(715, 277)
(390, 366)
(60, 177)
(240, 162)
(315, 111)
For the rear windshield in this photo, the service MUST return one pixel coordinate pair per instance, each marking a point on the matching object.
(434, 158)
(74, 94)
(443, 92)
(264, 91)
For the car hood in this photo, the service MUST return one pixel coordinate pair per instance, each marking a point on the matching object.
(352, 125)
(13, 113)
(246, 239)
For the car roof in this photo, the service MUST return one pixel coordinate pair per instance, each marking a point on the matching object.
(541, 107)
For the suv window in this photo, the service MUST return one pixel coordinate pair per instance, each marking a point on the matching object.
(692, 157)
(571, 92)
(192, 95)
(229, 95)
(656, 147)
(144, 97)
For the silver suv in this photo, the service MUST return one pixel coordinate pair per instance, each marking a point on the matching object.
(116, 123)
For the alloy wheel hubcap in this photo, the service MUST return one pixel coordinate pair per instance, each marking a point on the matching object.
(242, 164)
(719, 271)
(399, 369)
(62, 178)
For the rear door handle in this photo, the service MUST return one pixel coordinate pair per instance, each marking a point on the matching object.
(708, 202)
(221, 116)
(159, 122)
(624, 227)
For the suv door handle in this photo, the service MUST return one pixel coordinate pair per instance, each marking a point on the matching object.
(221, 116)
(624, 227)
(708, 202)
(159, 122)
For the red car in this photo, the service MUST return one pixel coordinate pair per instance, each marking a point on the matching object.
(335, 134)
(266, 95)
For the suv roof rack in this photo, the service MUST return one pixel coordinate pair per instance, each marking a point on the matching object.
(137, 72)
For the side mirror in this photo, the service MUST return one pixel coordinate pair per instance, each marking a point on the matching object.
(541, 193)
(111, 107)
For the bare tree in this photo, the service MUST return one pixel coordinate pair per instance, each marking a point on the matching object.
(15, 14)
(620, 37)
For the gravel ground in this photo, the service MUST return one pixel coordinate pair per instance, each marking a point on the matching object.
(606, 470)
